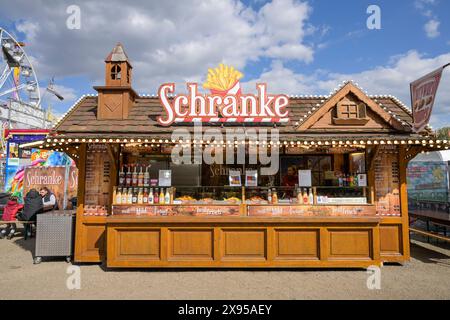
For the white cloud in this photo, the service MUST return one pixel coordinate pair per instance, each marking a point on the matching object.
(432, 28)
(392, 79)
(166, 41)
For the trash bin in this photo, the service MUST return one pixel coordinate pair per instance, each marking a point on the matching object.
(54, 234)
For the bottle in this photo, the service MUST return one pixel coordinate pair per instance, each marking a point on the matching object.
(167, 197)
(121, 177)
(135, 195)
(145, 196)
(141, 178)
(151, 199)
(146, 177)
(274, 197)
(161, 196)
(123, 200)
(356, 181)
(156, 196)
(114, 195)
(118, 197)
(269, 196)
(128, 177)
(300, 196)
(305, 196)
(341, 181)
(311, 197)
(140, 198)
(352, 181)
(134, 177)
(130, 196)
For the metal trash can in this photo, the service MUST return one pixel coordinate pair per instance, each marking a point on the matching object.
(54, 234)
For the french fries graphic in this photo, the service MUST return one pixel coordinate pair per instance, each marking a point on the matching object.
(222, 78)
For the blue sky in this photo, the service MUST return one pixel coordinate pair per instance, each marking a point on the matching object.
(298, 47)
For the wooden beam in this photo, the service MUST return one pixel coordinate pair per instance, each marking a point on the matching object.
(79, 236)
(403, 164)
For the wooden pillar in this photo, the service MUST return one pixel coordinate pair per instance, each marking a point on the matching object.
(81, 164)
(403, 164)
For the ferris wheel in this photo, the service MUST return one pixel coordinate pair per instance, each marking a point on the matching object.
(20, 97)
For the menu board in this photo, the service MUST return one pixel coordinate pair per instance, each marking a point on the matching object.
(387, 184)
(98, 169)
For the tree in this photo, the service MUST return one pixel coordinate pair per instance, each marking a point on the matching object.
(443, 133)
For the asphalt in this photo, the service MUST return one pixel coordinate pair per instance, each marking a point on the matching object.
(426, 276)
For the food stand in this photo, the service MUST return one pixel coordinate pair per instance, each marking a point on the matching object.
(338, 199)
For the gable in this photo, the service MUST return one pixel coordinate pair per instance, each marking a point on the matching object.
(351, 109)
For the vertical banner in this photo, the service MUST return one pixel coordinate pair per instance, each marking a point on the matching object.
(423, 93)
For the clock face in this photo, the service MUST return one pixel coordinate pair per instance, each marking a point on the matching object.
(112, 103)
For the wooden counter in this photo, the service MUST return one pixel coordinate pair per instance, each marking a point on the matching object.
(242, 241)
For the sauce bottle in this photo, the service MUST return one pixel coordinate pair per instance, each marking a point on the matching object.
(161, 196)
(305, 196)
(300, 196)
(140, 198)
(145, 196)
(311, 197)
(151, 199)
(167, 197)
(114, 195)
(274, 197)
(269, 196)
(156, 196)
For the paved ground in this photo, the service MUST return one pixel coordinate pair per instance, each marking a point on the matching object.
(427, 276)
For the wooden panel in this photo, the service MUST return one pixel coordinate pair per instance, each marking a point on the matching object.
(391, 240)
(296, 244)
(349, 243)
(244, 244)
(139, 243)
(94, 240)
(191, 244)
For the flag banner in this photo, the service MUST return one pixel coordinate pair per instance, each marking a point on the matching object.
(423, 93)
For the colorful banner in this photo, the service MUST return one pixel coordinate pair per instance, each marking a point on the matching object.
(428, 181)
(423, 94)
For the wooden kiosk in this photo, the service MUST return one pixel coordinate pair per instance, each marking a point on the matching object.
(338, 139)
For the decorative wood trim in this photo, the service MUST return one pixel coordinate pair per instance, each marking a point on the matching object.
(349, 87)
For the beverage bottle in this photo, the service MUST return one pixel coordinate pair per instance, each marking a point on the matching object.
(341, 181)
(156, 196)
(274, 197)
(311, 197)
(352, 181)
(161, 196)
(114, 195)
(167, 197)
(145, 196)
(300, 196)
(118, 197)
(140, 198)
(124, 196)
(269, 196)
(146, 177)
(356, 181)
(121, 177)
(305, 196)
(134, 177)
(151, 199)
(130, 196)
(128, 176)
(135, 195)
(141, 178)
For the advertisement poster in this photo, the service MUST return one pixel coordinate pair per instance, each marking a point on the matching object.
(428, 181)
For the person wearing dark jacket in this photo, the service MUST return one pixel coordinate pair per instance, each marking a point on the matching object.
(48, 199)
(33, 205)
